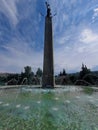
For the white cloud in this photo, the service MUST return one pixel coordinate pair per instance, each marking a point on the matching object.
(83, 50)
(65, 18)
(95, 15)
(19, 55)
(75, 46)
(87, 36)
(8, 7)
(63, 40)
(71, 59)
(96, 12)
(78, 42)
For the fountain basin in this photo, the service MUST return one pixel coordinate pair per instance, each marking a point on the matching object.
(66, 107)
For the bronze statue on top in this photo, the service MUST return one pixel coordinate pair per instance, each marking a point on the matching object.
(48, 10)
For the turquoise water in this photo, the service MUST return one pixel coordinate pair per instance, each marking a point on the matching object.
(65, 108)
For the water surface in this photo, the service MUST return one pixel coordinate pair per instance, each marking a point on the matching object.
(66, 108)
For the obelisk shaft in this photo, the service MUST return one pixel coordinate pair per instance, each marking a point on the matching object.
(48, 65)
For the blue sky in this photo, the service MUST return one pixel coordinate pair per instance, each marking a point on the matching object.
(75, 32)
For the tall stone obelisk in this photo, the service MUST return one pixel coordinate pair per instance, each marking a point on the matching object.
(48, 63)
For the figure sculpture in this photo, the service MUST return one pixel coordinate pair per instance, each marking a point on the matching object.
(48, 10)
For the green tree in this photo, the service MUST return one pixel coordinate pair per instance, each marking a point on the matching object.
(64, 72)
(28, 74)
(28, 70)
(84, 71)
(60, 74)
(39, 72)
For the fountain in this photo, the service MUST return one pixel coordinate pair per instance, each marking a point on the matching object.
(65, 108)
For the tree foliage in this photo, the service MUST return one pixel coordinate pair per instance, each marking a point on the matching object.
(84, 71)
(63, 73)
(28, 70)
(39, 72)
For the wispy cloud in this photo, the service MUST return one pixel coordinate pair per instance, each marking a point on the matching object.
(75, 35)
(8, 7)
(87, 36)
(95, 15)
(19, 55)
(84, 49)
